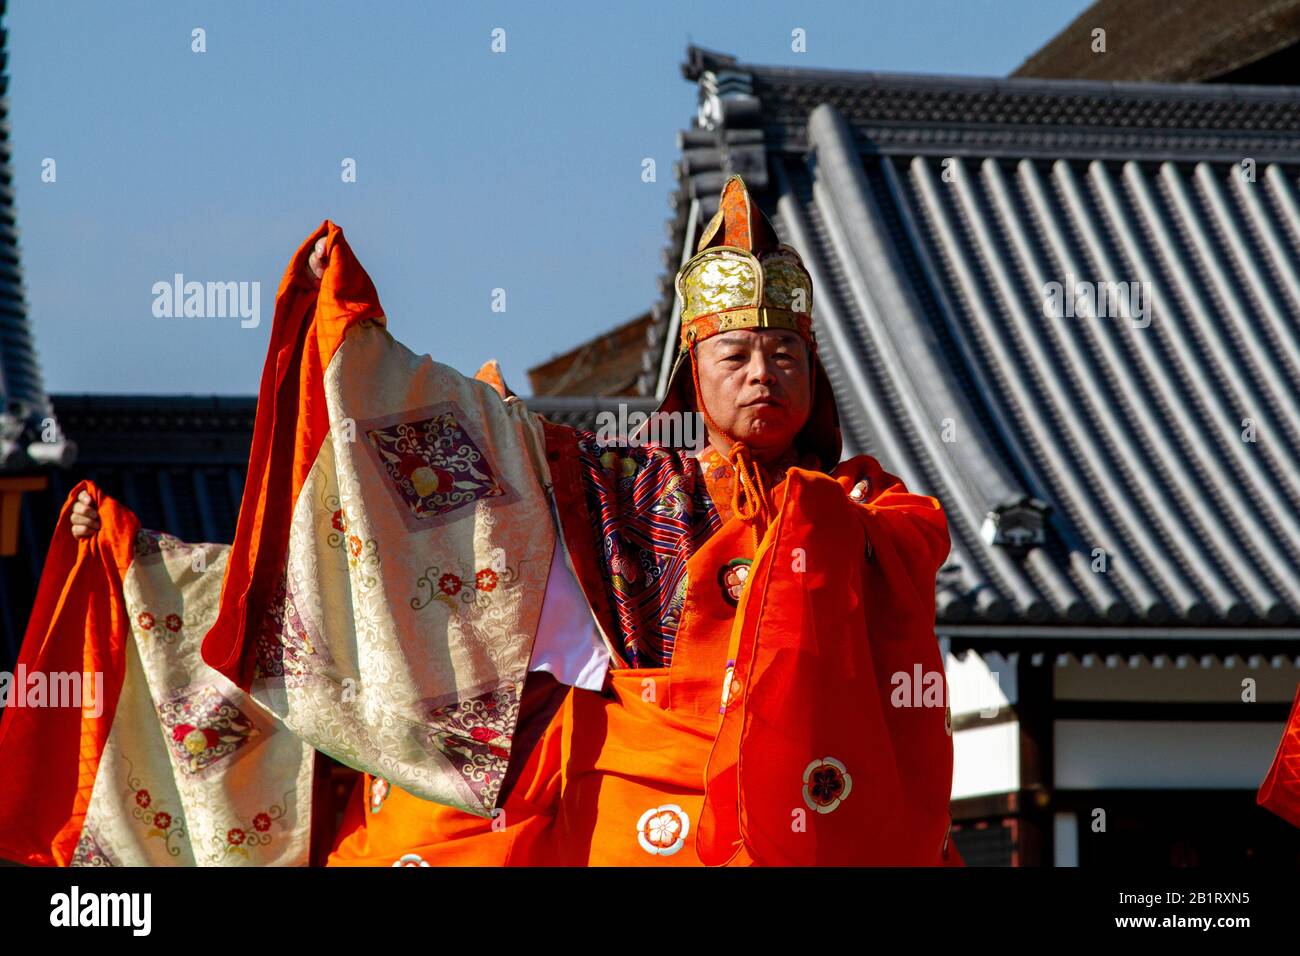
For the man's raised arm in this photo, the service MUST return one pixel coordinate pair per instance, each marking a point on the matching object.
(385, 586)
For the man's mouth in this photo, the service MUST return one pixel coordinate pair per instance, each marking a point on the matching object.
(763, 403)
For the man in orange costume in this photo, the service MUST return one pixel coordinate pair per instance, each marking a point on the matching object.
(766, 728)
(775, 693)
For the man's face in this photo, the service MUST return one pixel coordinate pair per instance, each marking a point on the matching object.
(757, 385)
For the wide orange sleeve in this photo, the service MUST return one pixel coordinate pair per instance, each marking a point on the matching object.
(908, 537)
(909, 540)
(837, 752)
(50, 755)
(291, 425)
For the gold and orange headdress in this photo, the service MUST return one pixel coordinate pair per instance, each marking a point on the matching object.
(743, 277)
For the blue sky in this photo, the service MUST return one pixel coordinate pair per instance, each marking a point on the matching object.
(475, 170)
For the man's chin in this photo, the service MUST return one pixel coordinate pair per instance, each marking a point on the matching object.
(766, 437)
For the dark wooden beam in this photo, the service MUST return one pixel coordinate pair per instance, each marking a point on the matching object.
(1034, 706)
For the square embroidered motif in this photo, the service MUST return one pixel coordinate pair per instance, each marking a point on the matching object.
(203, 727)
(433, 465)
(283, 649)
(474, 734)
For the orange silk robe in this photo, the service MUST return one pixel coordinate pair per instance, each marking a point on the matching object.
(77, 625)
(832, 746)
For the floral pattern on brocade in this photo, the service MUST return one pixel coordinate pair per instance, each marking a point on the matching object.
(202, 727)
(474, 734)
(433, 464)
(89, 852)
(283, 647)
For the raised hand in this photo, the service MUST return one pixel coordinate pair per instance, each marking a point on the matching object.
(85, 516)
(317, 261)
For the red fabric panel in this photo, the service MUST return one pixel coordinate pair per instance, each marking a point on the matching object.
(576, 525)
(1280, 791)
(821, 635)
(50, 755)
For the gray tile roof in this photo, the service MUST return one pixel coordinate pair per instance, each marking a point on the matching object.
(933, 212)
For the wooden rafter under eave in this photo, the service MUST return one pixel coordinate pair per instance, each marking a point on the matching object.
(11, 500)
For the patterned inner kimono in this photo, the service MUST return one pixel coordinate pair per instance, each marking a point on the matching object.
(651, 510)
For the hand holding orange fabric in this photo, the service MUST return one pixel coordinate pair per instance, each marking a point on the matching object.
(78, 625)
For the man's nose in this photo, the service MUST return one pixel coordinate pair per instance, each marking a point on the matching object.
(760, 370)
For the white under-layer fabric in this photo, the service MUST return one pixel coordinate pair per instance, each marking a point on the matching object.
(568, 645)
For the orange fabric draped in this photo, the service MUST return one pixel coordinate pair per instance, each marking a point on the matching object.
(292, 423)
(817, 739)
(634, 758)
(383, 825)
(1280, 791)
(78, 625)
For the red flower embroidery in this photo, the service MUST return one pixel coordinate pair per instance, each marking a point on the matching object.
(449, 583)
(261, 823)
(339, 523)
(486, 579)
(195, 740)
(354, 545)
(162, 820)
(142, 798)
(489, 736)
(235, 837)
(145, 620)
(173, 622)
